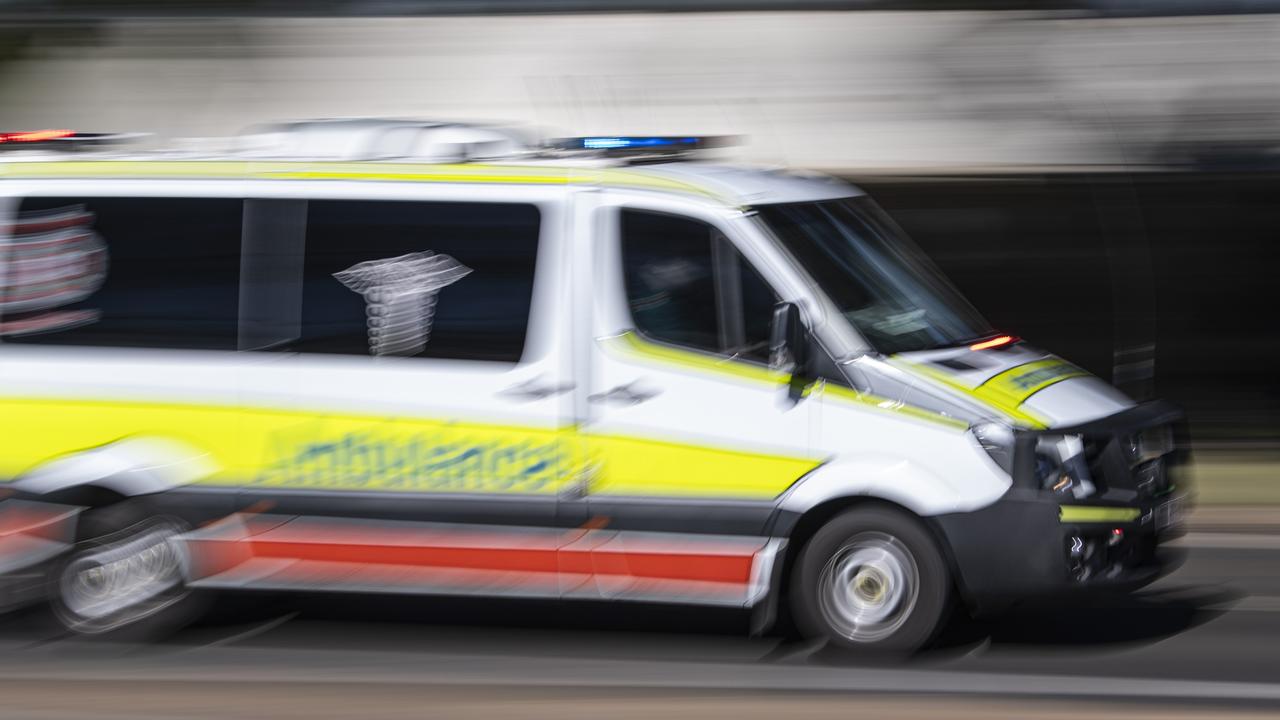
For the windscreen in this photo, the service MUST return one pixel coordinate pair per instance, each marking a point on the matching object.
(880, 281)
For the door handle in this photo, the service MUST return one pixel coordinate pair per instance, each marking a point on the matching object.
(535, 389)
(627, 394)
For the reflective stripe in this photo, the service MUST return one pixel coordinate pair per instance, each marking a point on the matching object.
(995, 397)
(640, 467)
(381, 171)
(297, 449)
(632, 344)
(248, 551)
(1018, 384)
(268, 447)
(644, 467)
(1089, 514)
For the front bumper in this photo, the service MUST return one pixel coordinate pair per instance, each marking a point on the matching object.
(1027, 545)
(1032, 542)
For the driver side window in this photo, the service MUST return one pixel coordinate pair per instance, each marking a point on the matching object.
(688, 286)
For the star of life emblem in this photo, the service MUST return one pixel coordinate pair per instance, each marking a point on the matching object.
(400, 296)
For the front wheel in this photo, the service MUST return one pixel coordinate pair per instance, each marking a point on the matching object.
(871, 580)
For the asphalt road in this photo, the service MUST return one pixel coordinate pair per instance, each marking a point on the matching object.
(1201, 643)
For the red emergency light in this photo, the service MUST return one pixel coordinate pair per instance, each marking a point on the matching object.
(993, 342)
(31, 136)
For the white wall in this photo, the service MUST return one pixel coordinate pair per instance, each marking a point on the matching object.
(828, 90)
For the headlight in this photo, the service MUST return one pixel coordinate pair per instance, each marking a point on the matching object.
(1147, 444)
(1061, 466)
(997, 440)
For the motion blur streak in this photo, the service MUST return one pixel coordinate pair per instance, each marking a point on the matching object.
(335, 700)
(282, 552)
(837, 91)
(34, 136)
(626, 358)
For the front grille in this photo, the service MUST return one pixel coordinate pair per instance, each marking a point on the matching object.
(1132, 456)
(1151, 478)
(1119, 469)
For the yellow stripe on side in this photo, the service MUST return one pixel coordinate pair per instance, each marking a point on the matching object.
(250, 170)
(1087, 514)
(638, 467)
(132, 169)
(264, 447)
(632, 344)
(654, 468)
(381, 171)
(301, 449)
(609, 177)
(394, 172)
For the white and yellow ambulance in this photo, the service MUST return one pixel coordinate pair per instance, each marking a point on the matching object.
(410, 357)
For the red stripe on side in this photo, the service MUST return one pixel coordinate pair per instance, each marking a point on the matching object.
(332, 552)
(510, 559)
(734, 568)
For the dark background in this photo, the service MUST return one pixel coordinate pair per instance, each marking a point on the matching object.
(1081, 264)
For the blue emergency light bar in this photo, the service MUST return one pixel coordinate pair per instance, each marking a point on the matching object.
(611, 143)
(626, 144)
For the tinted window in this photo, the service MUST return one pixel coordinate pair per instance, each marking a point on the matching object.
(124, 272)
(879, 279)
(687, 285)
(448, 280)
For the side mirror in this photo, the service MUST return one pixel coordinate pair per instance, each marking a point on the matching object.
(789, 346)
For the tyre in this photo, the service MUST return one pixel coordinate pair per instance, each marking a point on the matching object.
(871, 580)
(126, 575)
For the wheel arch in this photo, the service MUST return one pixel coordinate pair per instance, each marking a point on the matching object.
(803, 528)
(106, 474)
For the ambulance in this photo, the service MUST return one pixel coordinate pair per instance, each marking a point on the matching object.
(434, 358)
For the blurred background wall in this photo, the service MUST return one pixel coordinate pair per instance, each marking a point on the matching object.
(831, 90)
(1101, 178)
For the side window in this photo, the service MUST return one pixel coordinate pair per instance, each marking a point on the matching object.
(426, 279)
(687, 285)
(122, 272)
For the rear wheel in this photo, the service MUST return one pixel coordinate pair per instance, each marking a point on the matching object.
(126, 573)
(871, 580)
